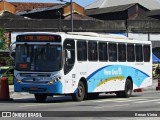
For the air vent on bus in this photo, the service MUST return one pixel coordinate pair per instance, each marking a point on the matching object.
(35, 75)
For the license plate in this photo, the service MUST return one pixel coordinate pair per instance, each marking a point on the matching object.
(33, 88)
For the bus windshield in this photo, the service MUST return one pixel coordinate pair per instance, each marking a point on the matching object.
(38, 58)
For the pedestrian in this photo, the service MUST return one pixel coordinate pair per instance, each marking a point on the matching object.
(158, 70)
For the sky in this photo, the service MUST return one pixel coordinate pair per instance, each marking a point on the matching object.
(80, 2)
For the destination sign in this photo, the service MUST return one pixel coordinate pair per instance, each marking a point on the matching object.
(38, 38)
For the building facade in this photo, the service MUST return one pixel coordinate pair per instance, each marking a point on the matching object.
(130, 19)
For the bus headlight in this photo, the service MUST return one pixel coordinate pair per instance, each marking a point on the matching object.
(19, 81)
(51, 82)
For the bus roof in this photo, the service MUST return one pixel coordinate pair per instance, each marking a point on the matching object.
(92, 36)
(103, 37)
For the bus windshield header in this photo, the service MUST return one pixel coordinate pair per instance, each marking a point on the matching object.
(38, 38)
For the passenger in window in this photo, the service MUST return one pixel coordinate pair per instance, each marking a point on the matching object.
(158, 70)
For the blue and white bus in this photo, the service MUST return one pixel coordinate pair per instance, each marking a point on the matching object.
(82, 65)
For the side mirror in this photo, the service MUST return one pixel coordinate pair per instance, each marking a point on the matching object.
(68, 54)
(11, 50)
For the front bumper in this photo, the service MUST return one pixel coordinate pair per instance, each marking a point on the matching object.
(55, 88)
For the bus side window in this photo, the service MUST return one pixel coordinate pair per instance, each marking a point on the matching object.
(81, 51)
(139, 54)
(122, 52)
(102, 49)
(146, 53)
(130, 53)
(92, 51)
(112, 49)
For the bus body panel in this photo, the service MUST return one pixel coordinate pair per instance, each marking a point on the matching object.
(112, 77)
(100, 76)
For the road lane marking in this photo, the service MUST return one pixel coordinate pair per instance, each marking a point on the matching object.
(35, 105)
(126, 100)
(107, 100)
(147, 101)
(147, 97)
(21, 98)
(112, 106)
(32, 105)
(119, 100)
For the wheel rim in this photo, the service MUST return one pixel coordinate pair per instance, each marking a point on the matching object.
(129, 89)
(129, 92)
(80, 91)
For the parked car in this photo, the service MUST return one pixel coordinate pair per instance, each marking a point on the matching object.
(7, 72)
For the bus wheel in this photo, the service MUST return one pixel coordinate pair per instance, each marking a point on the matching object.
(128, 89)
(40, 97)
(80, 94)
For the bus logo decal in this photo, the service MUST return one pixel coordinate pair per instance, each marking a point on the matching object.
(113, 71)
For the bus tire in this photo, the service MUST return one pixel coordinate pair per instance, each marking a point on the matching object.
(128, 89)
(40, 97)
(81, 92)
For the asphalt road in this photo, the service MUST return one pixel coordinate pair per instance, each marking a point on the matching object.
(104, 106)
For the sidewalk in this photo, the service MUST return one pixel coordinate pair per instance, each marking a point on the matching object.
(23, 94)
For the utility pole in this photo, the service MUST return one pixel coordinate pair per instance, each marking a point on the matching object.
(71, 11)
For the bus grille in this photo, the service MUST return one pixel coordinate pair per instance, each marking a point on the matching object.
(35, 75)
(36, 82)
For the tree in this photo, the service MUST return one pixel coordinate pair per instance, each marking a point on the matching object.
(2, 39)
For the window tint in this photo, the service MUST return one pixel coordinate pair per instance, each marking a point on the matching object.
(130, 53)
(112, 49)
(146, 53)
(121, 52)
(92, 51)
(81, 50)
(102, 49)
(139, 54)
